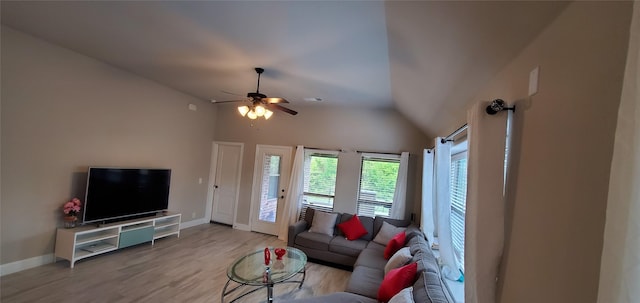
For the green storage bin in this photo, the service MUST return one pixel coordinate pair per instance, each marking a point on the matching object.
(137, 236)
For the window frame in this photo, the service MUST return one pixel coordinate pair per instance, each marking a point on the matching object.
(458, 152)
(308, 153)
(393, 158)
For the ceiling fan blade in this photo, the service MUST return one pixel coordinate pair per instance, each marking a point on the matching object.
(228, 101)
(230, 93)
(281, 108)
(275, 100)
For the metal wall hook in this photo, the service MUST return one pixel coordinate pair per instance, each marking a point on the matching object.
(497, 106)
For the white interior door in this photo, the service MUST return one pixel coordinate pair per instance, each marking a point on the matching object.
(227, 158)
(270, 179)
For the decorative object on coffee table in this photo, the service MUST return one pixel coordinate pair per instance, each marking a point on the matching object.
(267, 256)
(279, 253)
(71, 211)
(250, 270)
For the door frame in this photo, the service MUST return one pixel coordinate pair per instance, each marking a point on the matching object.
(212, 179)
(257, 174)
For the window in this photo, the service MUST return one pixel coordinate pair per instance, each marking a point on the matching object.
(269, 198)
(320, 172)
(274, 176)
(458, 183)
(378, 177)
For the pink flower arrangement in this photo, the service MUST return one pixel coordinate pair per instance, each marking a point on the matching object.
(72, 208)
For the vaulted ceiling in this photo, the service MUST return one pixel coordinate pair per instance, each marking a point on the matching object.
(427, 59)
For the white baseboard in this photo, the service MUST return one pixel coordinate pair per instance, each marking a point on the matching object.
(193, 223)
(244, 227)
(13, 267)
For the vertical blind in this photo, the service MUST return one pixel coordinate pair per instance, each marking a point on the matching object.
(378, 177)
(458, 183)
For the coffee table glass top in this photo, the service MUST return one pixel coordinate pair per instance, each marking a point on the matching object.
(250, 269)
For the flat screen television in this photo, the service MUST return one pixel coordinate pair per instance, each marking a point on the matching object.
(120, 193)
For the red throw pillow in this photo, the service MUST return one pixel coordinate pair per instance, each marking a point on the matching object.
(394, 244)
(397, 280)
(353, 228)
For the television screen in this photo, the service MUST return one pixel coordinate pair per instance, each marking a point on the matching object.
(119, 193)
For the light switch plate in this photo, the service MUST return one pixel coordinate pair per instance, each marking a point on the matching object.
(533, 81)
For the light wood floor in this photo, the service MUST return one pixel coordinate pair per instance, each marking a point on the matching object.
(191, 268)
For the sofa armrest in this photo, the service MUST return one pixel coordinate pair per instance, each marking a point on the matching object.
(294, 230)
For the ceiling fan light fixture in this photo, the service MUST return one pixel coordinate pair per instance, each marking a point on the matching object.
(243, 110)
(259, 110)
(257, 103)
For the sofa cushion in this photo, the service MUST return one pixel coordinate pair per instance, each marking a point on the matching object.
(416, 244)
(324, 223)
(365, 281)
(343, 246)
(352, 228)
(308, 215)
(313, 240)
(378, 222)
(413, 231)
(371, 257)
(423, 255)
(394, 245)
(367, 222)
(377, 247)
(404, 296)
(397, 280)
(400, 258)
(386, 233)
(336, 297)
(429, 288)
(426, 262)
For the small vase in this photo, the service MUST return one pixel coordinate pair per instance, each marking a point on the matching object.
(70, 221)
(267, 256)
(279, 253)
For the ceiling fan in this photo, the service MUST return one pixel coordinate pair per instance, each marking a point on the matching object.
(260, 103)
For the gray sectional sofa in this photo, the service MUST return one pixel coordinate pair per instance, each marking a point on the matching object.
(367, 259)
(335, 249)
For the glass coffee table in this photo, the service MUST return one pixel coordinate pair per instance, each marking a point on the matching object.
(250, 270)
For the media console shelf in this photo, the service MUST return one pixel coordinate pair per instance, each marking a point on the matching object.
(87, 241)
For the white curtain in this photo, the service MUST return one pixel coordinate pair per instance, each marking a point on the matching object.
(427, 216)
(443, 204)
(484, 230)
(293, 200)
(399, 204)
(620, 263)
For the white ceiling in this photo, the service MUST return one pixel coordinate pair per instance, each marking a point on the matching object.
(425, 58)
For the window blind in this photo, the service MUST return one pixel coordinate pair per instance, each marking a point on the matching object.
(320, 173)
(378, 177)
(458, 187)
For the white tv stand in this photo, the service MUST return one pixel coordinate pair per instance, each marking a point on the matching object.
(87, 241)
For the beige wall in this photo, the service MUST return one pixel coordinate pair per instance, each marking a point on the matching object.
(63, 112)
(619, 270)
(351, 129)
(563, 142)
